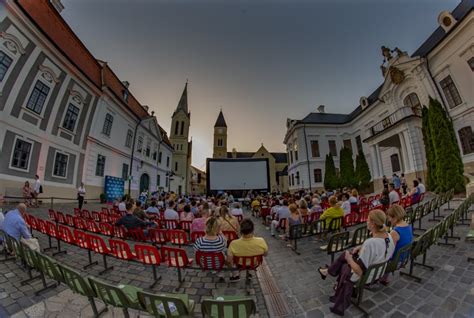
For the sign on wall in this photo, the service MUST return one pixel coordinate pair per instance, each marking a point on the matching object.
(114, 188)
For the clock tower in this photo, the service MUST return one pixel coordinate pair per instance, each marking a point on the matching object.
(220, 137)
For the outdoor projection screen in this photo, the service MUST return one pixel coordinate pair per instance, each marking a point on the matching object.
(237, 174)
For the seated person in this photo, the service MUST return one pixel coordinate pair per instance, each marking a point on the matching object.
(282, 213)
(351, 265)
(354, 198)
(130, 221)
(199, 223)
(303, 208)
(138, 211)
(402, 233)
(212, 241)
(186, 215)
(346, 204)
(415, 193)
(385, 199)
(333, 212)
(14, 223)
(237, 210)
(246, 245)
(393, 195)
(294, 219)
(152, 208)
(227, 222)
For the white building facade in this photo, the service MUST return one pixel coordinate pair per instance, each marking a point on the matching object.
(386, 125)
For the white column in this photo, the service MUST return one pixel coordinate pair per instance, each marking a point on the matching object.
(379, 160)
(404, 153)
(373, 158)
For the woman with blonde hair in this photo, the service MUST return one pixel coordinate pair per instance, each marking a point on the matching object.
(303, 207)
(354, 198)
(351, 265)
(227, 222)
(212, 241)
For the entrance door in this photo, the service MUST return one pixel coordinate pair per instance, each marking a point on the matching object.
(144, 182)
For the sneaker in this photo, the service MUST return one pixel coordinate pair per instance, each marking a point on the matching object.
(234, 279)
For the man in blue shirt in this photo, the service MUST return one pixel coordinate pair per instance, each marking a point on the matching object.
(14, 224)
(396, 182)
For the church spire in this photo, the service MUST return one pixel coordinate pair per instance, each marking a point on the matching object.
(183, 102)
(220, 122)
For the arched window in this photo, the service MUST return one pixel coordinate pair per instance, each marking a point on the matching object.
(176, 128)
(182, 128)
(467, 140)
(412, 101)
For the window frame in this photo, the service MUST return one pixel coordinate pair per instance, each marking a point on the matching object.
(7, 68)
(10, 164)
(317, 152)
(97, 165)
(398, 163)
(129, 138)
(347, 143)
(41, 93)
(451, 88)
(462, 141)
(320, 175)
(66, 115)
(107, 128)
(335, 147)
(53, 173)
(126, 171)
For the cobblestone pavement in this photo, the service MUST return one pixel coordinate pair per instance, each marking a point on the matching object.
(20, 301)
(448, 291)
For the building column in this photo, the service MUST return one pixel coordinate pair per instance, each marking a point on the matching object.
(404, 153)
(373, 158)
(379, 160)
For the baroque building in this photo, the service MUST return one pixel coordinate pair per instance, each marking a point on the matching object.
(277, 161)
(386, 125)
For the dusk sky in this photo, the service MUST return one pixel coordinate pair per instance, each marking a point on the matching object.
(260, 61)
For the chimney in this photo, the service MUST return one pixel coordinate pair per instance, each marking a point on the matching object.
(321, 109)
(57, 5)
(126, 84)
(146, 107)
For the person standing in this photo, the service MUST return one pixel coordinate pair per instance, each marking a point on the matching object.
(403, 183)
(81, 194)
(27, 193)
(396, 182)
(37, 189)
(385, 182)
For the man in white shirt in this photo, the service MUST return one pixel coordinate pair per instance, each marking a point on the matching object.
(170, 212)
(36, 190)
(122, 205)
(421, 186)
(282, 213)
(346, 205)
(393, 195)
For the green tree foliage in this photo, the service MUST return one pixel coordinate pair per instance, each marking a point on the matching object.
(362, 172)
(331, 181)
(449, 167)
(347, 176)
(429, 150)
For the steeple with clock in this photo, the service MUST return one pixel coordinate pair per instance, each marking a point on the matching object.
(220, 137)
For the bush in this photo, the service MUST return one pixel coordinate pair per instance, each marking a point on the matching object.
(362, 172)
(331, 181)
(347, 177)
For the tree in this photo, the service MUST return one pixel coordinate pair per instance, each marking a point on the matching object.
(347, 175)
(429, 150)
(449, 168)
(362, 172)
(330, 178)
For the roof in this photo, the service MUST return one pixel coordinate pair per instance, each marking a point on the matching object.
(280, 157)
(183, 101)
(164, 136)
(220, 122)
(462, 10)
(240, 155)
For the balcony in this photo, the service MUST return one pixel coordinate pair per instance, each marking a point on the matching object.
(394, 118)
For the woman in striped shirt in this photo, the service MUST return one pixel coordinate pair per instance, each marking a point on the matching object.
(212, 241)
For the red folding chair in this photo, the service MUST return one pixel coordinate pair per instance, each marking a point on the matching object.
(176, 257)
(97, 244)
(120, 231)
(66, 235)
(92, 226)
(149, 255)
(104, 217)
(230, 236)
(104, 210)
(52, 232)
(60, 218)
(42, 227)
(178, 237)
(348, 220)
(158, 236)
(170, 224)
(79, 223)
(106, 229)
(121, 250)
(210, 260)
(264, 212)
(82, 240)
(31, 222)
(364, 215)
(197, 234)
(136, 234)
(95, 216)
(185, 225)
(86, 214)
(52, 215)
(70, 220)
(248, 263)
(77, 212)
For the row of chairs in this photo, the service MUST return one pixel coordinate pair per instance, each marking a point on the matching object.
(122, 296)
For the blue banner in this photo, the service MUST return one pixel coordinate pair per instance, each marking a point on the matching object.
(114, 188)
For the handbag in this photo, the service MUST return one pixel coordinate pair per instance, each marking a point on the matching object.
(32, 243)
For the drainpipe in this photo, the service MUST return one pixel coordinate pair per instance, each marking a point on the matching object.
(307, 156)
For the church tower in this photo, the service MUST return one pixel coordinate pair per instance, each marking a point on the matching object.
(179, 136)
(220, 137)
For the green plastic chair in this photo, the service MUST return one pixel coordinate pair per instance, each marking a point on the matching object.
(5, 247)
(122, 296)
(371, 275)
(400, 260)
(359, 236)
(166, 305)
(228, 307)
(32, 260)
(337, 243)
(80, 285)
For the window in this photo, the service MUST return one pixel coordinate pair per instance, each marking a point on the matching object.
(291, 156)
(140, 144)
(347, 144)
(21, 154)
(128, 139)
(125, 171)
(38, 97)
(467, 140)
(176, 166)
(219, 142)
(296, 152)
(176, 128)
(470, 62)
(182, 128)
(100, 167)
(412, 101)
(292, 179)
(359, 145)
(199, 178)
(317, 176)
(5, 62)
(160, 155)
(71, 117)
(148, 150)
(332, 148)
(167, 181)
(60, 165)
(154, 155)
(158, 180)
(167, 161)
(314, 148)
(395, 162)
(109, 119)
(450, 92)
(297, 177)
